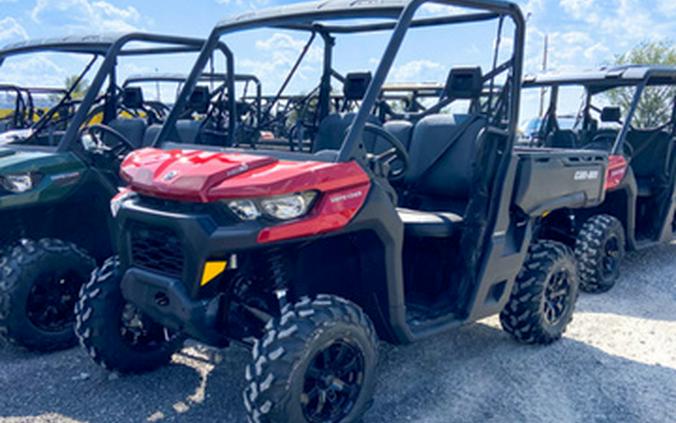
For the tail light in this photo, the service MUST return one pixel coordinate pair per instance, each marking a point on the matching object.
(617, 169)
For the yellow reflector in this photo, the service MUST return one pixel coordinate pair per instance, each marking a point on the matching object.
(211, 270)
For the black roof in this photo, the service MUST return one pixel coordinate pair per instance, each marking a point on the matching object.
(178, 77)
(98, 44)
(309, 16)
(604, 77)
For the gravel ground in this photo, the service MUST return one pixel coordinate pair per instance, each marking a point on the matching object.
(617, 363)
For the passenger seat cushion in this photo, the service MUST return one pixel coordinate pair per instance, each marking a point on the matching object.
(333, 128)
(401, 129)
(133, 129)
(422, 224)
(187, 130)
(151, 134)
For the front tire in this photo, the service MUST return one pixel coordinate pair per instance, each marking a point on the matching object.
(544, 295)
(599, 251)
(316, 363)
(39, 284)
(114, 333)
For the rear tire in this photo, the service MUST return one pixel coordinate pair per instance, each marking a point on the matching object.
(599, 251)
(319, 350)
(544, 295)
(39, 282)
(114, 333)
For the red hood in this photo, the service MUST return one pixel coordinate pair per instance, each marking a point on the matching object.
(201, 176)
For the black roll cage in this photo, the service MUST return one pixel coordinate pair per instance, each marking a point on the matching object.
(109, 48)
(639, 76)
(24, 105)
(306, 17)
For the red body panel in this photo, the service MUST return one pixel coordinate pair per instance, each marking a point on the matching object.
(617, 169)
(334, 211)
(199, 176)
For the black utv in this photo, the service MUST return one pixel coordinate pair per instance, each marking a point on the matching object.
(630, 113)
(404, 230)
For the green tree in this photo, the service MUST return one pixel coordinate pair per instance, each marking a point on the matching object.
(80, 89)
(657, 102)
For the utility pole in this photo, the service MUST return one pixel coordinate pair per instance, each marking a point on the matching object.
(543, 90)
(157, 87)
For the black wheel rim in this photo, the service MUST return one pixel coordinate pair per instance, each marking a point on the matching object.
(139, 332)
(333, 381)
(556, 296)
(611, 258)
(51, 301)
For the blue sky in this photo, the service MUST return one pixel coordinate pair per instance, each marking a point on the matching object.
(583, 34)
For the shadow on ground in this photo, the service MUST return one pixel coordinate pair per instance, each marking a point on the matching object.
(476, 373)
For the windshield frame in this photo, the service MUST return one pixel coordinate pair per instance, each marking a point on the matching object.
(110, 48)
(594, 83)
(304, 17)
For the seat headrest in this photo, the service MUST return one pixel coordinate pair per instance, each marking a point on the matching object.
(199, 99)
(611, 114)
(464, 83)
(356, 84)
(132, 97)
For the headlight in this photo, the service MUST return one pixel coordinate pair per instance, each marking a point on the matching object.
(116, 203)
(289, 206)
(20, 182)
(244, 209)
(286, 207)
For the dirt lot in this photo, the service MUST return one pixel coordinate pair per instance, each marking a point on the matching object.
(616, 364)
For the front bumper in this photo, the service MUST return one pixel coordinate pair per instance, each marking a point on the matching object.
(166, 301)
(175, 298)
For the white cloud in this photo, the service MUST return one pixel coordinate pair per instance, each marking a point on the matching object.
(37, 70)
(11, 30)
(86, 15)
(417, 71)
(580, 9)
(667, 7)
(250, 4)
(274, 56)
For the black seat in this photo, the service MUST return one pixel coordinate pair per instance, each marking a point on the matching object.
(132, 98)
(441, 163)
(401, 129)
(133, 129)
(562, 138)
(151, 134)
(188, 130)
(333, 128)
(422, 224)
(650, 159)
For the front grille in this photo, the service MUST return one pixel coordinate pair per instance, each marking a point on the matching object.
(156, 249)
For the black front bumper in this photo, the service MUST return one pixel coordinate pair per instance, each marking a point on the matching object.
(167, 302)
(175, 299)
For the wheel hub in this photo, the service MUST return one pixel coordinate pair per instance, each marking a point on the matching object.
(556, 295)
(51, 300)
(611, 258)
(333, 381)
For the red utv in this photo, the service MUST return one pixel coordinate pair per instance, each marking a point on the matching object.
(310, 258)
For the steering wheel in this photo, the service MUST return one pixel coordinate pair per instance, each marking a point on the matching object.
(397, 152)
(120, 148)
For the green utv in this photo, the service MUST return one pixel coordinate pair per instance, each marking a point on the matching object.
(57, 177)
